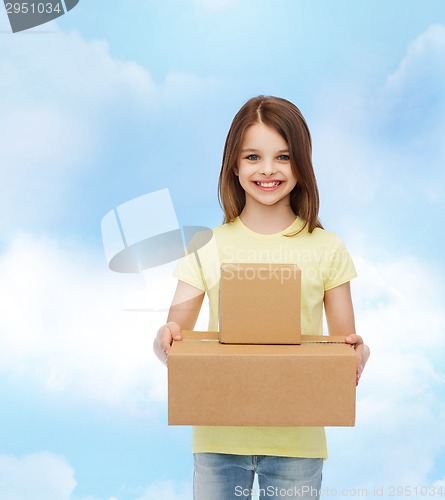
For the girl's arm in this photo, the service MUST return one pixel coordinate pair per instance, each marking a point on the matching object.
(182, 315)
(340, 318)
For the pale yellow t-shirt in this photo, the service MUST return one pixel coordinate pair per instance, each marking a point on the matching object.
(325, 264)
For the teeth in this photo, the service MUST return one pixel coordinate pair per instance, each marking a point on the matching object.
(268, 184)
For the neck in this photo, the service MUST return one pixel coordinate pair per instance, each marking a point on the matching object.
(265, 219)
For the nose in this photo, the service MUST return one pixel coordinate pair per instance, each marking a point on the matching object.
(268, 168)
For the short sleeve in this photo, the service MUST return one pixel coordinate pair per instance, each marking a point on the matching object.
(200, 267)
(341, 268)
(188, 269)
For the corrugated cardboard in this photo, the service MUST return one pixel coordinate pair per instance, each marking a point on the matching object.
(209, 383)
(260, 304)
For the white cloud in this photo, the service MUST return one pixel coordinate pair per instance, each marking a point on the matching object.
(383, 150)
(422, 63)
(57, 95)
(65, 102)
(401, 403)
(167, 490)
(65, 329)
(71, 325)
(38, 476)
(412, 103)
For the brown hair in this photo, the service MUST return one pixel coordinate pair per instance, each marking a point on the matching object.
(287, 120)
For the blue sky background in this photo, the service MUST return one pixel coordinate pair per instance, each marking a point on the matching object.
(122, 98)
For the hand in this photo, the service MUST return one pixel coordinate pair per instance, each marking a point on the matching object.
(166, 334)
(361, 354)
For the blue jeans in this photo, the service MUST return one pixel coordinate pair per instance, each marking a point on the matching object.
(230, 477)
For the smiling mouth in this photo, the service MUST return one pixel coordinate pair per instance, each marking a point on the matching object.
(270, 184)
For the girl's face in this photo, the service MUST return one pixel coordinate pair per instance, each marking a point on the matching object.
(264, 168)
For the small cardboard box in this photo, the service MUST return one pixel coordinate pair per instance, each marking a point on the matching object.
(312, 384)
(260, 304)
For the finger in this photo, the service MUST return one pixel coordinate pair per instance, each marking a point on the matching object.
(354, 339)
(175, 330)
(166, 341)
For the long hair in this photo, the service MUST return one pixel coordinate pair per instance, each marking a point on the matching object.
(287, 120)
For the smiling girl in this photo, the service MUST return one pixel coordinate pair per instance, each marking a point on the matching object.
(269, 195)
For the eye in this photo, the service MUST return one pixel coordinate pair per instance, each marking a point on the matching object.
(284, 158)
(253, 157)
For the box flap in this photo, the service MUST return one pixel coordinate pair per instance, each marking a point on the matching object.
(331, 339)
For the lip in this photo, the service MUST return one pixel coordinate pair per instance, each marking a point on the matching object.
(271, 188)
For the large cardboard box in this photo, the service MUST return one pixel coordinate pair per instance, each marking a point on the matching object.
(312, 384)
(260, 304)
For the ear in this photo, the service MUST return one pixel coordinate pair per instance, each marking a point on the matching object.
(236, 171)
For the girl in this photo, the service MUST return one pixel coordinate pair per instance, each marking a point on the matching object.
(269, 194)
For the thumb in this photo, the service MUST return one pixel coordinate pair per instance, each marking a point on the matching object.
(175, 330)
